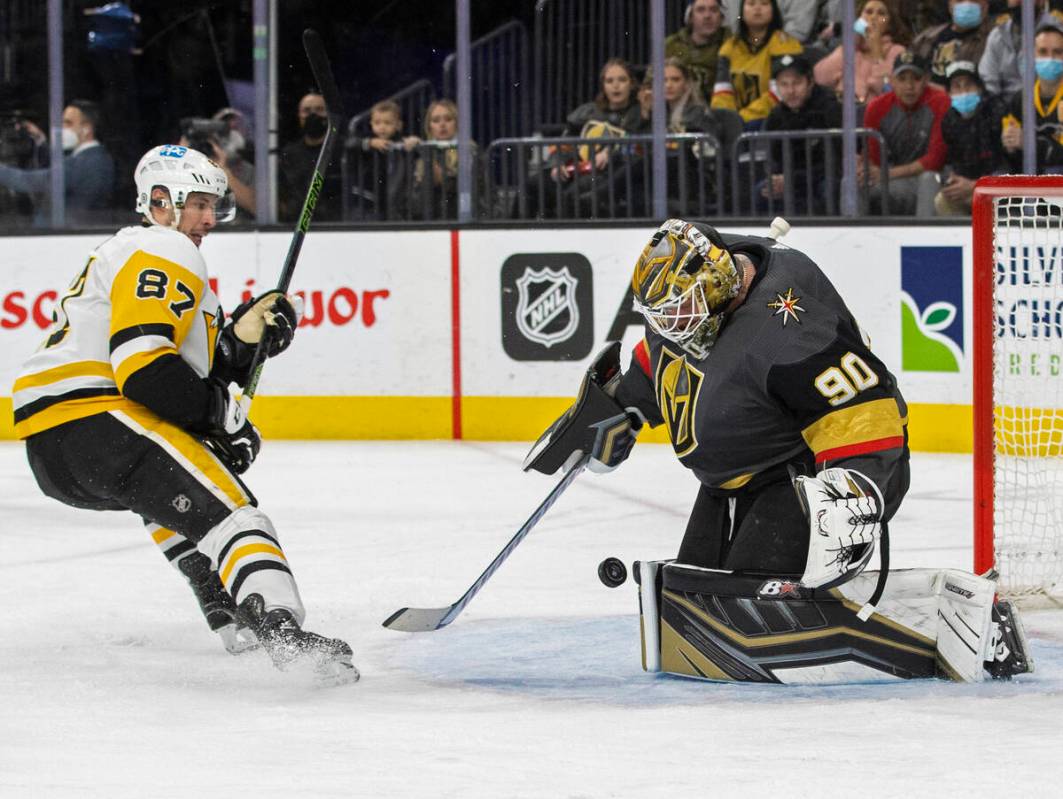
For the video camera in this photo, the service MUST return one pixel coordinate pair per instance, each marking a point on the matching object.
(199, 132)
(16, 144)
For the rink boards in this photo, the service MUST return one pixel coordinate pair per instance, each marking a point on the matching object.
(484, 334)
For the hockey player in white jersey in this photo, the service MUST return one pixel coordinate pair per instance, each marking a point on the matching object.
(127, 405)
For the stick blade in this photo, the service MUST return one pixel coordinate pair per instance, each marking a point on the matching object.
(417, 620)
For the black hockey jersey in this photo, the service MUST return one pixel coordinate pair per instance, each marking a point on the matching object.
(789, 380)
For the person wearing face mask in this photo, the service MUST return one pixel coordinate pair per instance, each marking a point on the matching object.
(970, 129)
(961, 39)
(1001, 65)
(1048, 92)
(88, 170)
(297, 160)
(881, 36)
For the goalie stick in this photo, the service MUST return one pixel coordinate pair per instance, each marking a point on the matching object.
(322, 71)
(420, 620)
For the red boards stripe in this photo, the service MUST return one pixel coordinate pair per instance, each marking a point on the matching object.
(455, 335)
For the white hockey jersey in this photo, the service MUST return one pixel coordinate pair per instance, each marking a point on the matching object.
(144, 293)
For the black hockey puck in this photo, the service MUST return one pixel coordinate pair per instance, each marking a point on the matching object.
(612, 572)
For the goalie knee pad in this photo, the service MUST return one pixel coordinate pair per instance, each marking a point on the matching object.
(246, 553)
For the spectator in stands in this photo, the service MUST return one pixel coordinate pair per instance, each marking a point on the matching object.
(435, 174)
(297, 161)
(921, 15)
(1048, 91)
(909, 119)
(971, 131)
(962, 39)
(881, 37)
(88, 170)
(228, 149)
(796, 17)
(743, 76)
(613, 114)
(378, 168)
(1001, 67)
(803, 105)
(687, 113)
(697, 43)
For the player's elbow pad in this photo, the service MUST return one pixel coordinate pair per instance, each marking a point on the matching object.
(169, 387)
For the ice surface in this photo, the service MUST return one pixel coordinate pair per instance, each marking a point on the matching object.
(111, 685)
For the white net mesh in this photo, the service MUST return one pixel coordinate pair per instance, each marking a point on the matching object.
(1028, 408)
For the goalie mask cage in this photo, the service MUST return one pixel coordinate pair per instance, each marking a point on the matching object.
(1018, 384)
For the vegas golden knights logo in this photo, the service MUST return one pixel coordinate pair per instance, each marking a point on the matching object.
(678, 384)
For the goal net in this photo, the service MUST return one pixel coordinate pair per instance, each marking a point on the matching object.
(1018, 384)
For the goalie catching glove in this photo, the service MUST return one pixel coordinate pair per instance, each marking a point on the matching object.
(272, 315)
(596, 425)
(844, 511)
(231, 436)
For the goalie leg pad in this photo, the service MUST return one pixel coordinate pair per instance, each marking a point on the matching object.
(719, 625)
(979, 637)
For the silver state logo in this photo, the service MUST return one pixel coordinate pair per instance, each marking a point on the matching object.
(546, 309)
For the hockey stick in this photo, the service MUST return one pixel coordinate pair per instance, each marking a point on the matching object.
(420, 620)
(322, 70)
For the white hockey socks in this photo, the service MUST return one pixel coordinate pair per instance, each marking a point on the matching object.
(248, 557)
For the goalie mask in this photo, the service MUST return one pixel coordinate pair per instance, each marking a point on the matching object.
(683, 284)
(181, 171)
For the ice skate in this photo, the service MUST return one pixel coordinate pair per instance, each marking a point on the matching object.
(291, 647)
(1010, 650)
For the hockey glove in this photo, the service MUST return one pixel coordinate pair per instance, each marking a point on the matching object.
(272, 315)
(273, 310)
(613, 440)
(232, 437)
(844, 510)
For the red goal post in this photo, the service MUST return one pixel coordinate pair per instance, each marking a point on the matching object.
(1017, 286)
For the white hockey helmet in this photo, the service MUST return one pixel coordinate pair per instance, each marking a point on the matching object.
(181, 171)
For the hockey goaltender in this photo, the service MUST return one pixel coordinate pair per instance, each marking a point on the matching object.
(797, 433)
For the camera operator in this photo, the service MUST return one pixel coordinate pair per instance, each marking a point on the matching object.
(297, 162)
(88, 167)
(220, 139)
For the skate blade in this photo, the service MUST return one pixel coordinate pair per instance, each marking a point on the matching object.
(336, 672)
(237, 641)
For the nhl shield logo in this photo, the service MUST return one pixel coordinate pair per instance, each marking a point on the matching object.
(547, 301)
(546, 306)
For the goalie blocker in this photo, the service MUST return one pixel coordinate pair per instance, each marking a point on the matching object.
(595, 425)
(720, 625)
